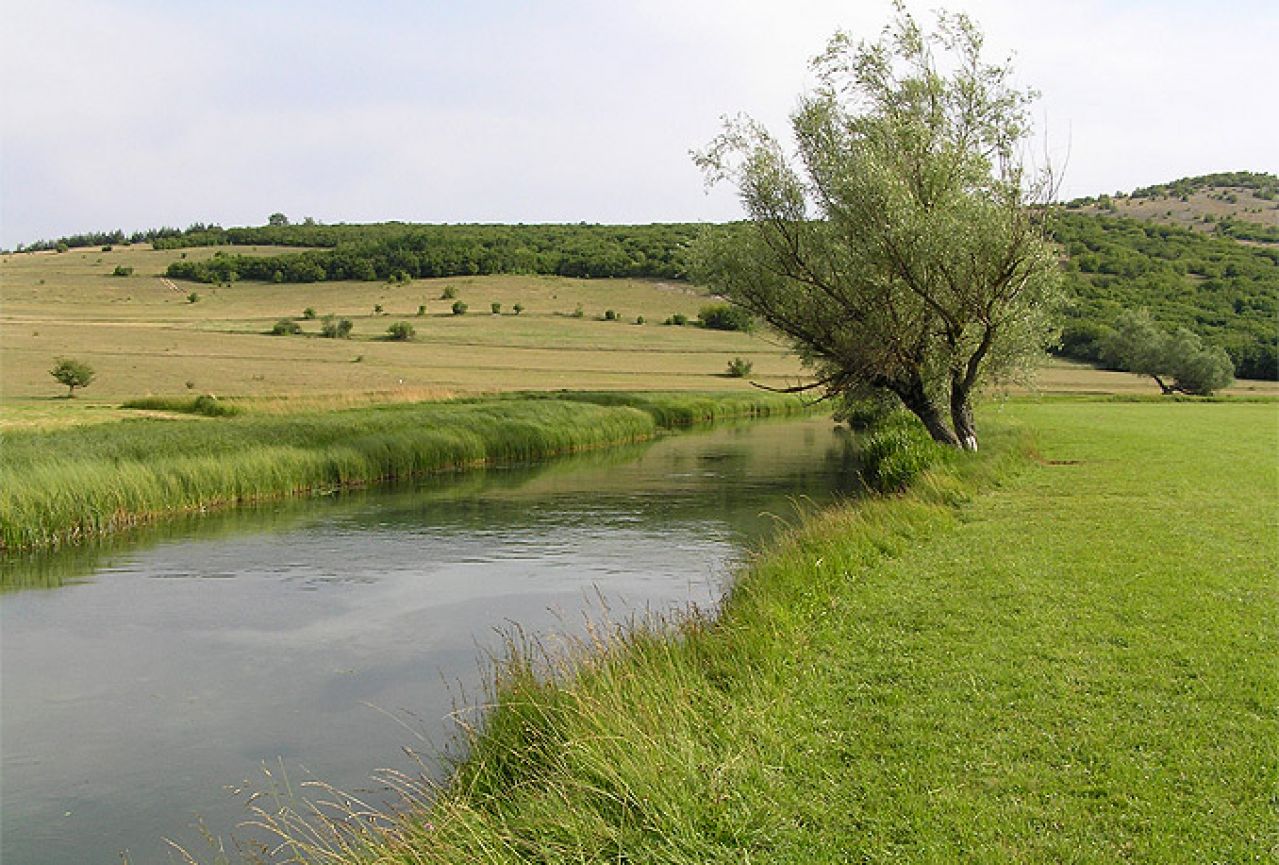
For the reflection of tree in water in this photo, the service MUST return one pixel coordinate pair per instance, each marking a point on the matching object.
(742, 478)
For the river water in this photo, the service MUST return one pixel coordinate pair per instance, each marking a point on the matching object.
(142, 679)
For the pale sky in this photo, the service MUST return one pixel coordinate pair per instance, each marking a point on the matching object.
(134, 114)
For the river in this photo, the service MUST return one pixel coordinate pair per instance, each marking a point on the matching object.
(144, 677)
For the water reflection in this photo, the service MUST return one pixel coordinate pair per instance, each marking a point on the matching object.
(176, 660)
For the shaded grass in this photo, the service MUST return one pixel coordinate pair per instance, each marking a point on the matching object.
(1078, 664)
(66, 484)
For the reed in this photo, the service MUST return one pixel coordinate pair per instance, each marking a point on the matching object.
(73, 483)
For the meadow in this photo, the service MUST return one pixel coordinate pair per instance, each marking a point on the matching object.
(1060, 650)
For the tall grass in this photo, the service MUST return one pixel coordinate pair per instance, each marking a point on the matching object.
(68, 484)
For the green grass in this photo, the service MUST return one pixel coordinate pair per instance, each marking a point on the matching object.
(65, 484)
(1057, 655)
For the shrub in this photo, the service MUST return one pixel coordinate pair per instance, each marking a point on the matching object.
(193, 297)
(333, 328)
(73, 373)
(421, 309)
(518, 308)
(639, 319)
(459, 307)
(725, 316)
(496, 308)
(610, 315)
(209, 405)
(400, 330)
(740, 367)
(864, 412)
(679, 319)
(578, 312)
(377, 309)
(107, 248)
(897, 453)
(122, 270)
(449, 293)
(309, 313)
(286, 327)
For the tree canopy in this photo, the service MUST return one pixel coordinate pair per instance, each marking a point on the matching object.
(902, 249)
(1178, 361)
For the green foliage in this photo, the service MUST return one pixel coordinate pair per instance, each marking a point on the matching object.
(205, 404)
(72, 373)
(377, 309)
(517, 308)
(193, 297)
(459, 307)
(639, 319)
(286, 327)
(332, 327)
(578, 312)
(309, 313)
(81, 481)
(495, 308)
(902, 248)
(122, 270)
(726, 316)
(1223, 291)
(610, 315)
(897, 451)
(421, 309)
(449, 293)
(739, 367)
(400, 330)
(1177, 361)
(678, 319)
(396, 250)
(865, 411)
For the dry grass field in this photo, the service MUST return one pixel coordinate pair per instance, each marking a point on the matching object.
(143, 337)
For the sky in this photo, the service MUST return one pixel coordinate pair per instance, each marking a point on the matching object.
(135, 114)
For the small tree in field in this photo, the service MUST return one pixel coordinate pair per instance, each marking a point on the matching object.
(1177, 361)
(904, 250)
(72, 373)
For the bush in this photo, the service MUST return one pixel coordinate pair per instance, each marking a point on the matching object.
(639, 319)
(740, 367)
(518, 308)
(309, 313)
(459, 308)
(864, 412)
(333, 328)
(207, 404)
(400, 330)
(897, 453)
(495, 308)
(286, 327)
(377, 309)
(122, 270)
(724, 316)
(421, 309)
(193, 297)
(679, 319)
(578, 312)
(449, 293)
(610, 315)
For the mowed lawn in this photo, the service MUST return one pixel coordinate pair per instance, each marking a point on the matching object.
(1078, 664)
(1087, 669)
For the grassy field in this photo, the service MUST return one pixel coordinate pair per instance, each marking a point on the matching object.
(145, 338)
(1058, 652)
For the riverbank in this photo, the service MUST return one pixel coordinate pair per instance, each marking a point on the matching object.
(62, 485)
(1060, 650)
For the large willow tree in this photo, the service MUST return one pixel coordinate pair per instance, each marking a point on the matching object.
(901, 249)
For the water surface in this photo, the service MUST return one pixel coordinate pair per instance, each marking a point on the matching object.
(142, 677)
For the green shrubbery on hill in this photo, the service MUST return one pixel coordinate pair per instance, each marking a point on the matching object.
(1221, 290)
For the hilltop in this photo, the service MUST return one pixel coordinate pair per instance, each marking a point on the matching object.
(1239, 204)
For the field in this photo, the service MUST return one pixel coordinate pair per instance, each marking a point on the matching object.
(145, 338)
(1063, 653)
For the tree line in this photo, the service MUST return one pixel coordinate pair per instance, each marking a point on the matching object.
(394, 251)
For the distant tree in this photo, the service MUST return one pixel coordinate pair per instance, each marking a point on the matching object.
(518, 308)
(332, 327)
(725, 316)
(904, 249)
(459, 307)
(73, 373)
(277, 219)
(286, 327)
(739, 367)
(122, 270)
(1178, 361)
(495, 308)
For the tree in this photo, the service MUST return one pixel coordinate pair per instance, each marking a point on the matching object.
(1177, 361)
(277, 219)
(72, 373)
(905, 250)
